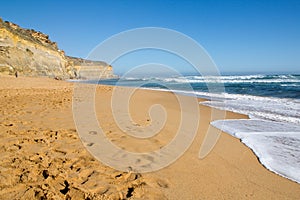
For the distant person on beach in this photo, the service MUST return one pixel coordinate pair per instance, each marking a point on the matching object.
(16, 74)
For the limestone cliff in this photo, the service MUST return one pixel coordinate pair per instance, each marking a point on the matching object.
(32, 53)
(87, 69)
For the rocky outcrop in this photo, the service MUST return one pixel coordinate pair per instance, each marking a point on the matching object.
(87, 69)
(32, 53)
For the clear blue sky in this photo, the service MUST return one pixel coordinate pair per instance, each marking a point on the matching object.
(240, 35)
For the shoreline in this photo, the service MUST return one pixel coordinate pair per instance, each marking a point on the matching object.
(24, 101)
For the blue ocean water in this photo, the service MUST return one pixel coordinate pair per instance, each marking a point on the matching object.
(281, 86)
(272, 103)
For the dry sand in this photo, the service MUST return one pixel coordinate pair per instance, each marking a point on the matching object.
(42, 157)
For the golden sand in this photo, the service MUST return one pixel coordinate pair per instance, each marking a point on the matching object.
(41, 155)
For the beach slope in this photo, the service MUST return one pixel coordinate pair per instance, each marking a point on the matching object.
(42, 157)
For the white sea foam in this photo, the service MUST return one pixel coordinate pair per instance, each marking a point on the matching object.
(234, 127)
(276, 144)
(223, 79)
(234, 79)
(275, 140)
(277, 151)
(290, 85)
(216, 80)
(271, 108)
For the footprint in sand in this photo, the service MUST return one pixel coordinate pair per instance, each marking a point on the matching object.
(93, 133)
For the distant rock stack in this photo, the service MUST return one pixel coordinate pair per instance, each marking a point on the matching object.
(31, 53)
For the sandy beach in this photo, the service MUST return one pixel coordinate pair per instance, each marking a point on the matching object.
(42, 157)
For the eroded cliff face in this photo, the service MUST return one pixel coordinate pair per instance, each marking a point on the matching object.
(87, 69)
(31, 53)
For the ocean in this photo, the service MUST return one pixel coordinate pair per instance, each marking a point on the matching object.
(272, 103)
